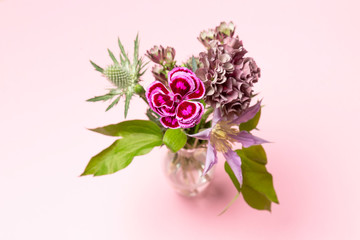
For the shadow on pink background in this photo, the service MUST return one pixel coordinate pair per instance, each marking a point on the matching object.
(309, 55)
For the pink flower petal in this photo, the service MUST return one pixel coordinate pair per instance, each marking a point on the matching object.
(216, 116)
(187, 111)
(187, 121)
(203, 135)
(182, 85)
(194, 86)
(211, 158)
(248, 114)
(234, 162)
(182, 81)
(178, 71)
(159, 100)
(165, 111)
(169, 122)
(154, 88)
(247, 139)
(199, 91)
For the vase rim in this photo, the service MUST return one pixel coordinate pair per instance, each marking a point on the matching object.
(191, 150)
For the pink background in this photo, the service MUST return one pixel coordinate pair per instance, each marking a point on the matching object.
(309, 54)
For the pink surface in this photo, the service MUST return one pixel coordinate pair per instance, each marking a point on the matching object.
(309, 54)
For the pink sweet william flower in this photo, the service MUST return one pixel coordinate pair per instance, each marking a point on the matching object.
(173, 105)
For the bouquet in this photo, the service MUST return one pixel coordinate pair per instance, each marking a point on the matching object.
(204, 102)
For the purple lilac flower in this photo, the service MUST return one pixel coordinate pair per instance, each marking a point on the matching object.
(173, 105)
(223, 133)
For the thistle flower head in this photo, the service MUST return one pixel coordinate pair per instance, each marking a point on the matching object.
(119, 76)
(124, 75)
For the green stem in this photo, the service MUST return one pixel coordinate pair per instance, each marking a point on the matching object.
(203, 119)
(195, 143)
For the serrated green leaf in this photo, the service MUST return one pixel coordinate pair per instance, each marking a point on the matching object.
(100, 98)
(122, 49)
(136, 50)
(257, 177)
(256, 153)
(113, 57)
(113, 103)
(232, 176)
(255, 199)
(142, 73)
(121, 153)
(129, 128)
(127, 103)
(97, 68)
(122, 60)
(252, 123)
(175, 139)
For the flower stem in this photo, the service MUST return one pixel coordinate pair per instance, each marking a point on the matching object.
(195, 142)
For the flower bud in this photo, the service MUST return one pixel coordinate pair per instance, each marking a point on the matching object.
(161, 55)
(139, 90)
(224, 30)
(206, 37)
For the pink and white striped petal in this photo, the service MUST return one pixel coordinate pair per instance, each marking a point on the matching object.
(189, 113)
(199, 91)
(170, 122)
(155, 88)
(181, 81)
(160, 99)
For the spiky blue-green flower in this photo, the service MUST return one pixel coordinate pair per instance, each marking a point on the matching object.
(124, 75)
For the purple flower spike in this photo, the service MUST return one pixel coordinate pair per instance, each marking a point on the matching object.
(173, 105)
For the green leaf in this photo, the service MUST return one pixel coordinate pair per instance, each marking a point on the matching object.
(256, 153)
(113, 103)
(255, 199)
(122, 49)
(252, 123)
(100, 98)
(193, 64)
(122, 60)
(257, 177)
(136, 50)
(232, 176)
(174, 139)
(252, 197)
(97, 68)
(113, 57)
(127, 102)
(121, 153)
(129, 128)
(257, 188)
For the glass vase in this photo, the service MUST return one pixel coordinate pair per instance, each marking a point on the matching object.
(185, 170)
